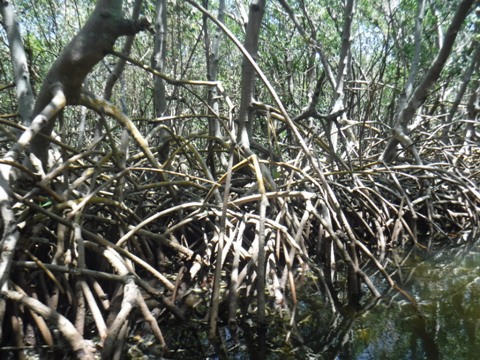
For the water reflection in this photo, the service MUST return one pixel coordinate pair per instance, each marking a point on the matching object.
(445, 324)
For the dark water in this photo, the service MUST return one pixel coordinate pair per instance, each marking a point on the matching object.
(444, 325)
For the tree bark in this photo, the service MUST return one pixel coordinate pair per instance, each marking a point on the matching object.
(19, 62)
(473, 111)
(107, 94)
(473, 68)
(245, 117)
(87, 48)
(338, 105)
(82, 348)
(418, 48)
(159, 57)
(159, 92)
(421, 91)
(213, 60)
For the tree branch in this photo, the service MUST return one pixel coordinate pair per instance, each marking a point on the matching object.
(421, 92)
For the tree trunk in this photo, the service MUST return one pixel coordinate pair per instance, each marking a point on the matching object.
(245, 117)
(473, 68)
(87, 48)
(19, 61)
(159, 93)
(338, 105)
(421, 91)
(213, 60)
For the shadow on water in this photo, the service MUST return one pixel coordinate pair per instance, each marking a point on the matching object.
(443, 324)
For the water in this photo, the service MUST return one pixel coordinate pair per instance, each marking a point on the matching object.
(445, 324)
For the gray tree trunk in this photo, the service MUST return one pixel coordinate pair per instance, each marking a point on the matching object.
(159, 92)
(19, 62)
(473, 112)
(473, 68)
(245, 117)
(213, 61)
(338, 105)
(420, 94)
(112, 79)
(96, 39)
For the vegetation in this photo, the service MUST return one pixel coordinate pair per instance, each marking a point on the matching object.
(174, 167)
